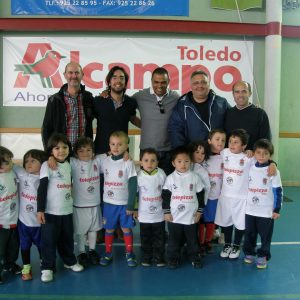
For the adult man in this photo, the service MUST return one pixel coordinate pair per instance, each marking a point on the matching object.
(246, 115)
(197, 112)
(114, 113)
(70, 111)
(156, 105)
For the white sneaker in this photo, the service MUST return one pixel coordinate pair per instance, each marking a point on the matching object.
(226, 251)
(76, 268)
(47, 275)
(235, 252)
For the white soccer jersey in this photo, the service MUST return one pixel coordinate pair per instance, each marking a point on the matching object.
(59, 199)
(215, 174)
(116, 176)
(184, 201)
(86, 181)
(9, 201)
(260, 201)
(150, 201)
(203, 173)
(28, 186)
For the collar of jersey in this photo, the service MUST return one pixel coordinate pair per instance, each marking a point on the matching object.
(153, 172)
(117, 157)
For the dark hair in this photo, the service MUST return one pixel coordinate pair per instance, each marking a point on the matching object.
(199, 72)
(37, 154)
(149, 151)
(56, 138)
(214, 131)
(180, 150)
(110, 75)
(120, 134)
(4, 153)
(245, 82)
(241, 134)
(160, 71)
(83, 142)
(193, 146)
(264, 144)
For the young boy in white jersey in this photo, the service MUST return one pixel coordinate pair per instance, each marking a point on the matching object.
(28, 227)
(214, 165)
(150, 213)
(9, 210)
(183, 202)
(120, 186)
(263, 205)
(232, 201)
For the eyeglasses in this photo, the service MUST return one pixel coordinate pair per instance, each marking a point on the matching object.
(161, 107)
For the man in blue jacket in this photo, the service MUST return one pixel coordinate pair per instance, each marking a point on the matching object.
(197, 112)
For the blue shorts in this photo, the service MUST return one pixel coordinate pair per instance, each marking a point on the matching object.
(209, 212)
(115, 215)
(28, 236)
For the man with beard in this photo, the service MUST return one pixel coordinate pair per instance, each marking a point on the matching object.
(70, 111)
(114, 113)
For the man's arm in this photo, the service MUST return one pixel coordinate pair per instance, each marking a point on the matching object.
(264, 126)
(135, 121)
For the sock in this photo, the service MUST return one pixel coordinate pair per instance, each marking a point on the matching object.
(81, 239)
(128, 239)
(109, 239)
(210, 229)
(92, 237)
(201, 233)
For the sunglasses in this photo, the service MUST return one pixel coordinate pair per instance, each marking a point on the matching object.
(161, 107)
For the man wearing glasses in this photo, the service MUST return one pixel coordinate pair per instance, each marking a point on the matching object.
(197, 112)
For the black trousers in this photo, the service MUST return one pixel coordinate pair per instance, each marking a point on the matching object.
(238, 235)
(178, 233)
(264, 228)
(9, 247)
(57, 233)
(153, 240)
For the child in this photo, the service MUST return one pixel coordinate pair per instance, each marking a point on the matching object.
(55, 208)
(232, 202)
(214, 165)
(150, 214)
(9, 210)
(200, 153)
(120, 186)
(28, 227)
(263, 205)
(183, 202)
(86, 193)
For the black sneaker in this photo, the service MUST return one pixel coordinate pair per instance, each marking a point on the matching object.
(146, 262)
(94, 257)
(160, 263)
(83, 259)
(173, 263)
(14, 268)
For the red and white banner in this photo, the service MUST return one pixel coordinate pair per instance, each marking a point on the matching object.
(33, 66)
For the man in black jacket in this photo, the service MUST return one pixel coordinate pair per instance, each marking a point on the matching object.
(70, 111)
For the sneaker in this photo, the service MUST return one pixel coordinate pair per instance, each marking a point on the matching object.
(83, 259)
(106, 259)
(131, 261)
(197, 263)
(26, 273)
(209, 248)
(146, 262)
(226, 251)
(14, 268)
(235, 252)
(47, 275)
(173, 263)
(75, 268)
(261, 262)
(249, 259)
(160, 263)
(94, 257)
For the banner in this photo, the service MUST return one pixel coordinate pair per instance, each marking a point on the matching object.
(236, 4)
(33, 67)
(101, 7)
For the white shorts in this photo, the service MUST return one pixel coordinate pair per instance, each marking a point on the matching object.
(231, 211)
(87, 219)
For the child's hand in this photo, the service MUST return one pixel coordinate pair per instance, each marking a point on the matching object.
(126, 156)
(275, 216)
(41, 218)
(129, 212)
(197, 216)
(52, 163)
(168, 218)
(136, 214)
(272, 170)
(249, 153)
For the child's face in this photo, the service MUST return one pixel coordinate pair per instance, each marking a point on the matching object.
(117, 145)
(6, 167)
(262, 155)
(182, 163)
(60, 151)
(199, 155)
(149, 162)
(85, 153)
(32, 165)
(217, 142)
(235, 145)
